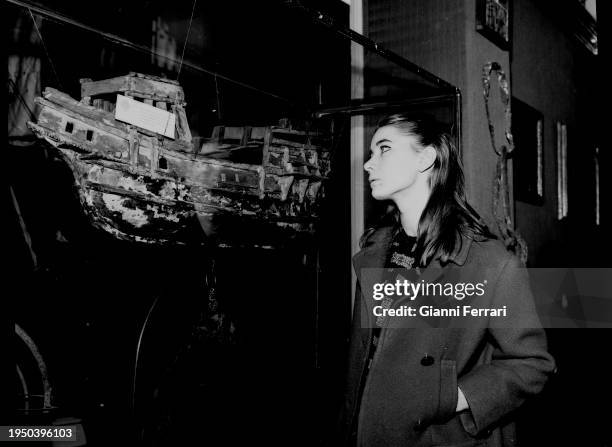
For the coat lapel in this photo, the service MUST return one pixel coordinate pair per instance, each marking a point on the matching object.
(435, 269)
(373, 256)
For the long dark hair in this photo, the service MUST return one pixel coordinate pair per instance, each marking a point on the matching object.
(447, 215)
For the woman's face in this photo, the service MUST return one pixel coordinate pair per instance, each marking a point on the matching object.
(394, 163)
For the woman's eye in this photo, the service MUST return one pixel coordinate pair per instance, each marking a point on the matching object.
(384, 149)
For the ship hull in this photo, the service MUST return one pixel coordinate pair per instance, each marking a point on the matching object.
(136, 186)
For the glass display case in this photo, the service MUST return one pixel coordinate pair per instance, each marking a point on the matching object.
(182, 203)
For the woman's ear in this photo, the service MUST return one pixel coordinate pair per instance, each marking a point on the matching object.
(427, 157)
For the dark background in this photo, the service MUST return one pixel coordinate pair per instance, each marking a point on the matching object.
(278, 371)
(277, 378)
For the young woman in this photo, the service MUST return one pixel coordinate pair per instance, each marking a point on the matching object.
(422, 384)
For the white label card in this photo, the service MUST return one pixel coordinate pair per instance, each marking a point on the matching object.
(144, 115)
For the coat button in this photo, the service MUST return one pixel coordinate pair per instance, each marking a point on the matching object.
(419, 426)
(427, 360)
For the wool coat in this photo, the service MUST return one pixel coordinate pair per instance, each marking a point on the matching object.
(409, 396)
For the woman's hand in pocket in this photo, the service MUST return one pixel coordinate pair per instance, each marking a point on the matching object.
(462, 403)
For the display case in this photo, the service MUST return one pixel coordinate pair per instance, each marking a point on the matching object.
(182, 204)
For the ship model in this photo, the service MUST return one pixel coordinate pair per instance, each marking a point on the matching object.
(141, 176)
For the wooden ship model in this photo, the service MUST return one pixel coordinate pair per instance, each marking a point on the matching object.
(141, 176)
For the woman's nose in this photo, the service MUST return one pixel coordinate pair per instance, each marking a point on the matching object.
(368, 165)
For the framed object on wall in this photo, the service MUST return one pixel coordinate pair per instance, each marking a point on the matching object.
(597, 203)
(528, 155)
(493, 21)
(561, 170)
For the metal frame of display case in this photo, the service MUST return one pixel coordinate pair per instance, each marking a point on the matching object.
(447, 93)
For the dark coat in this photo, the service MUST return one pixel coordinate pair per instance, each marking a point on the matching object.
(410, 393)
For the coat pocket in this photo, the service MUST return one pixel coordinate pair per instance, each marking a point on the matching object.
(448, 390)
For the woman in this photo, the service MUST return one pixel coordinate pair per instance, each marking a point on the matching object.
(424, 383)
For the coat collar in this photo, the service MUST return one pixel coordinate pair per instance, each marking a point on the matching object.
(374, 254)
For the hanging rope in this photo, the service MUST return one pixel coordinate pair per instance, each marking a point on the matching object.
(14, 89)
(217, 98)
(186, 39)
(174, 107)
(59, 83)
(501, 196)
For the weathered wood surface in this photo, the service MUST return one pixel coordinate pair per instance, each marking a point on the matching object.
(143, 156)
(97, 118)
(130, 206)
(284, 151)
(137, 85)
(183, 133)
(89, 114)
(298, 189)
(138, 185)
(189, 170)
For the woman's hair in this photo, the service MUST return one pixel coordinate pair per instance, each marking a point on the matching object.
(447, 215)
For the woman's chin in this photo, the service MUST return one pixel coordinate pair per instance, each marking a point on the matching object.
(379, 195)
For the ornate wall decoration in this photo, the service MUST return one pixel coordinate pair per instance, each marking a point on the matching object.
(501, 199)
